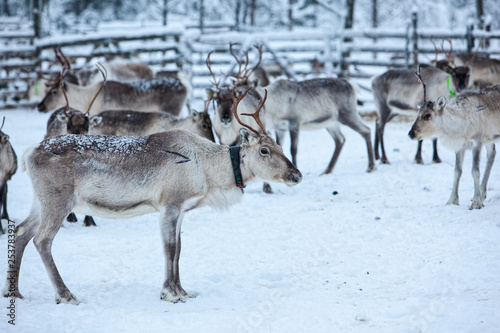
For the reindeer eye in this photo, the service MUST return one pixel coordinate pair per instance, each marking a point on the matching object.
(204, 126)
(427, 116)
(54, 92)
(264, 151)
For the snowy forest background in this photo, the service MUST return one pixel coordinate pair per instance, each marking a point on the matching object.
(61, 15)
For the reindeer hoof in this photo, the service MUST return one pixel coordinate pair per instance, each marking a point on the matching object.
(452, 201)
(436, 160)
(67, 298)
(175, 295)
(72, 218)
(418, 161)
(267, 188)
(384, 160)
(371, 168)
(476, 204)
(13, 294)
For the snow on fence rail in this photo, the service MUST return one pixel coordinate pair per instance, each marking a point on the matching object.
(295, 54)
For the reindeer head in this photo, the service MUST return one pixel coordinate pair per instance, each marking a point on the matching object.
(264, 157)
(201, 123)
(460, 75)
(4, 138)
(429, 116)
(56, 86)
(226, 129)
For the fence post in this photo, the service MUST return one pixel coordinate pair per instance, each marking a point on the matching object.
(414, 23)
(165, 12)
(470, 39)
(407, 46)
(202, 15)
(37, 18)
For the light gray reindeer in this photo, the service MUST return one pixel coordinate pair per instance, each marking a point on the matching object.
(399, 90)
(116, 72)
(137, 123)
(316, 104)
(8, 167)
(166, 94)
(469, 121)
(171, 173)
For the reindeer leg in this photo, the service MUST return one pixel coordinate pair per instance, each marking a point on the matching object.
(491, 152)
(477, 201)
(357, 124)
(89, 221)
(71, 218)
(170, 224)
(435, 157)
(5, 215)
(339, 139)
(23, 234)
(294, 140)
(376, 143)
(418, 155)
(383, 159)
(459, 162)
(52, 221)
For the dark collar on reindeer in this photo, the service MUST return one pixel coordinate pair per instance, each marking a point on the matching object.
(234, 152)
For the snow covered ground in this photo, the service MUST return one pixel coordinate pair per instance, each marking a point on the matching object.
(384, 254)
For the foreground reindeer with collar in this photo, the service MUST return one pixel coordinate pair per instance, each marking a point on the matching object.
(171, 173)
(469, 121)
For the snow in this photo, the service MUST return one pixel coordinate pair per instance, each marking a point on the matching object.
(384, 254)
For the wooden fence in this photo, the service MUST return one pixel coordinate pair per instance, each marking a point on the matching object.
(296, 54)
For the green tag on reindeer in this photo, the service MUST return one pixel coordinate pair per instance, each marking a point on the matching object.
(452, 94)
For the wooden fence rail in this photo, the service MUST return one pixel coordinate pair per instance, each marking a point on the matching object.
(295, 54)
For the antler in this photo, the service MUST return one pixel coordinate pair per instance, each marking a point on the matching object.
(449, 54)
(421, 80)
(240, 63)
(209, 65)
(104, 75)
(474, 55)
(436, 51)
(255, 115)
(259, 48)
(206, 105)
(243, 72)
(3, 123)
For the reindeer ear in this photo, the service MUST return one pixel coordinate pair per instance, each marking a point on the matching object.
(441, 102)
(5, 139)
(62, 118)
(195, 115)
(247, 137)
(95, 120)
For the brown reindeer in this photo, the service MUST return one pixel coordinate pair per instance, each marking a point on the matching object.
(171, 172)
(8, 167)
(165, 94)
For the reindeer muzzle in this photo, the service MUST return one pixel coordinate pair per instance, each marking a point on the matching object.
(41, 107)
(226, 122)
(294, 178)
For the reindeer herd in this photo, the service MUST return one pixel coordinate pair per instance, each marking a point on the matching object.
(116, 145)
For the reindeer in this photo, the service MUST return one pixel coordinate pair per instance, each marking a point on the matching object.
(67, 120)
(316, 104)
(469, 121)
(138, 123)
(8, 167)
(484, 72)
(224, 125)
(116, 72)
(397, 90)
(170, 172)
(166, 94)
